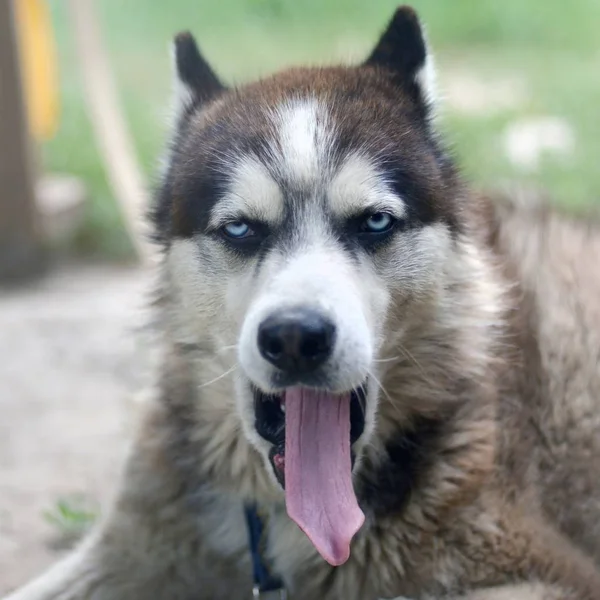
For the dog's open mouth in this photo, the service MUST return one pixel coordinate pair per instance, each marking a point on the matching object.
(270, 411)
(312, 432)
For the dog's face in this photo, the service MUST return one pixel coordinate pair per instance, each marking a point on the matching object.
(303, 216)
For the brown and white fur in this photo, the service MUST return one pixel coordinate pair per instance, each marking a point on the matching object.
(475, 322)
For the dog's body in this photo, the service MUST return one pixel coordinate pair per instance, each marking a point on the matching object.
(468, 331)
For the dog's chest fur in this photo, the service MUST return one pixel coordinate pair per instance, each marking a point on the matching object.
(291, 556)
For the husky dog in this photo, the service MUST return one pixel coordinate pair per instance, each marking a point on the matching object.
(401, 378)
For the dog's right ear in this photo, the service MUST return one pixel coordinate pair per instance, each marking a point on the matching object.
(403, 52)
(195, 81)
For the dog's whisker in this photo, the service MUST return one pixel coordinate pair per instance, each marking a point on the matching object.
(380, 385)
(227, 348)
(430, 381)
(411, 357)
(384, 392)
(221, 376)
(387, 360)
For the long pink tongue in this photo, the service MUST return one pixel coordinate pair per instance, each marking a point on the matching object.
(318, 472)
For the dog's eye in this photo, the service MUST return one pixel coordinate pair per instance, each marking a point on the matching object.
(237, 230)
(379, 222)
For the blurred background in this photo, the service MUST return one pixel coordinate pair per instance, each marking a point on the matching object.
(521, 88)
(509, 67)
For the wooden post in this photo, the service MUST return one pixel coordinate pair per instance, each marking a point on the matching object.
(20, 235)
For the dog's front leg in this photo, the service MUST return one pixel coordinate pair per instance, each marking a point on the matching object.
(76, 576)
(165, 538)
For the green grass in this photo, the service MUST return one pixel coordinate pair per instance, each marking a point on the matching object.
(553, 47)
(71, 518)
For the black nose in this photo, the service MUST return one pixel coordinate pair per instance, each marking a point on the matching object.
(296, 340)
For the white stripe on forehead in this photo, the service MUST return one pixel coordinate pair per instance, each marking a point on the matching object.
(300, 156)
(358, 186)
(252, 194)
(303, 140)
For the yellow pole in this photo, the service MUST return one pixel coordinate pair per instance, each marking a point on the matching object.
(38, 62)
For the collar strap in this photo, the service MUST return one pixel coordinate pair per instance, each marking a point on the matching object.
(265, 583)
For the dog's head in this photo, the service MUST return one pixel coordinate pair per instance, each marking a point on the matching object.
(303, 216)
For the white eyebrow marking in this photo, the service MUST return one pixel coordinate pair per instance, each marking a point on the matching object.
(358, 185)
(252, 193)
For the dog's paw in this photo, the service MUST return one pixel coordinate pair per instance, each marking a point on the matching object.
(74, 578)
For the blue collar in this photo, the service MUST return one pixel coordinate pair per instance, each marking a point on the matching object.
(265, 583)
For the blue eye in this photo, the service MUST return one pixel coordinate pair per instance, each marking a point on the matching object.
(378, 223)
(237, 230)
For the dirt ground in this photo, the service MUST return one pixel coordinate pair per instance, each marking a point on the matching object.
(72, 366)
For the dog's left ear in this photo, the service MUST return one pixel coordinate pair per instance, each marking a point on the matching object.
(195, 81)
(403, 51)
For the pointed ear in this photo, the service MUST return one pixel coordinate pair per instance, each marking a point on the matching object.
(402, 50)
(195, 81)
